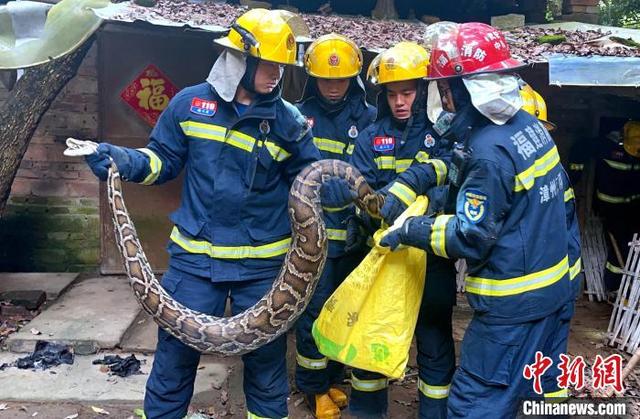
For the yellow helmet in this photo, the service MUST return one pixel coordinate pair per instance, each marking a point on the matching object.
(631, 136)
(534, 104)
(333, 56)
(266, 34)
(403, 61)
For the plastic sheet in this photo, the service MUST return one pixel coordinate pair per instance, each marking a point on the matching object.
(567, 70)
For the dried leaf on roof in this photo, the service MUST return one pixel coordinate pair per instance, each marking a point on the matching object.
(524, 44)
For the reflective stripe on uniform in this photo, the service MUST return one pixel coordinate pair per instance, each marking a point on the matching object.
(439, 235)
(621, 166)
(422, 157)
(433, 392)
(350, 148)
(254, 416)
(520, 284)
(616, 199)
(331, 146)
(218, 133)
(155, 166)
(240, 140)
(336, 234)
(539, 168)
(369, 385)
(403, 193)
(403, 164)
(569, 195)
(440, 169)
(385, 162)
(277, 153)
(311, 364)
(264, 251)
(560, 395)
(400, 165)
(613, 268)
(330, 209)
(575, 269)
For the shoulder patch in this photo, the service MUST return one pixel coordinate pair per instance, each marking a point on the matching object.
(385, 143)
(475, 205)
(203, 107)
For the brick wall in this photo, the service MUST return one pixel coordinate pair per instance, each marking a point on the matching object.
(52, 221)
(581, 11)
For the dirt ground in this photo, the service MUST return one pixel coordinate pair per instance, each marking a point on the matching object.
(588, 329)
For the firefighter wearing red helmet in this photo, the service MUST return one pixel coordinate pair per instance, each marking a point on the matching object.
(510, 214)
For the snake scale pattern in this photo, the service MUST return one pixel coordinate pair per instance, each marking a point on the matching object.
(291, 291)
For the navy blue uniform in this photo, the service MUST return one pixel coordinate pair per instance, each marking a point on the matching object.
(617, 201)
(515, 225)
(231, 229)
(383, 151)
(335, 129)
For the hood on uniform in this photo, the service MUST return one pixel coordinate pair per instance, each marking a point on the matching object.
(248, 80)
(232, 70)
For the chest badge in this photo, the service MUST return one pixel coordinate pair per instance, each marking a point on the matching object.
(203, 107)
(264, 127)
(353, 132)
(429, 141)
(384, 143)
(310, 121)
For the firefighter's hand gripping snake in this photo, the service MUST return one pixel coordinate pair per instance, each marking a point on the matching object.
(275, 313)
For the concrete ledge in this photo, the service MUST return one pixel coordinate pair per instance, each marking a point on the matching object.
(94, 314)
(53, 283)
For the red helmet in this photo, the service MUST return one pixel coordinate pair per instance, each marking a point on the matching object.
(461, 49)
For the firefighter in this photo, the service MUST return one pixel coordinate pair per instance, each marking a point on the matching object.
(240, 146)
(618, 198)
(334, 103)
(401, 137)
(533, 103)
(509, 220)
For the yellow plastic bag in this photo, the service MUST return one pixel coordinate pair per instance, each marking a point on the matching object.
(369, 321)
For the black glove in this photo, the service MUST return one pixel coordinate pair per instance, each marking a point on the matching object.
(336, 193)
(100, 161)
(356, 234)
(393, 207)
(414, 232)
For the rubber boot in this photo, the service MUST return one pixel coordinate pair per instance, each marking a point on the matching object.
(323, 407)
(338, 397)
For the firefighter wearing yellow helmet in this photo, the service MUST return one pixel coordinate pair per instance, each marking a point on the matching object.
(534, 104)
(402, 137)
(214, 130)
(334, 103)
(618, 197)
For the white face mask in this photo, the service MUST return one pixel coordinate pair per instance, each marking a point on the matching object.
(494, 95)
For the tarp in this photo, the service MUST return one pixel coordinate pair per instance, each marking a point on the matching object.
(33, 33)
(569, 70)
